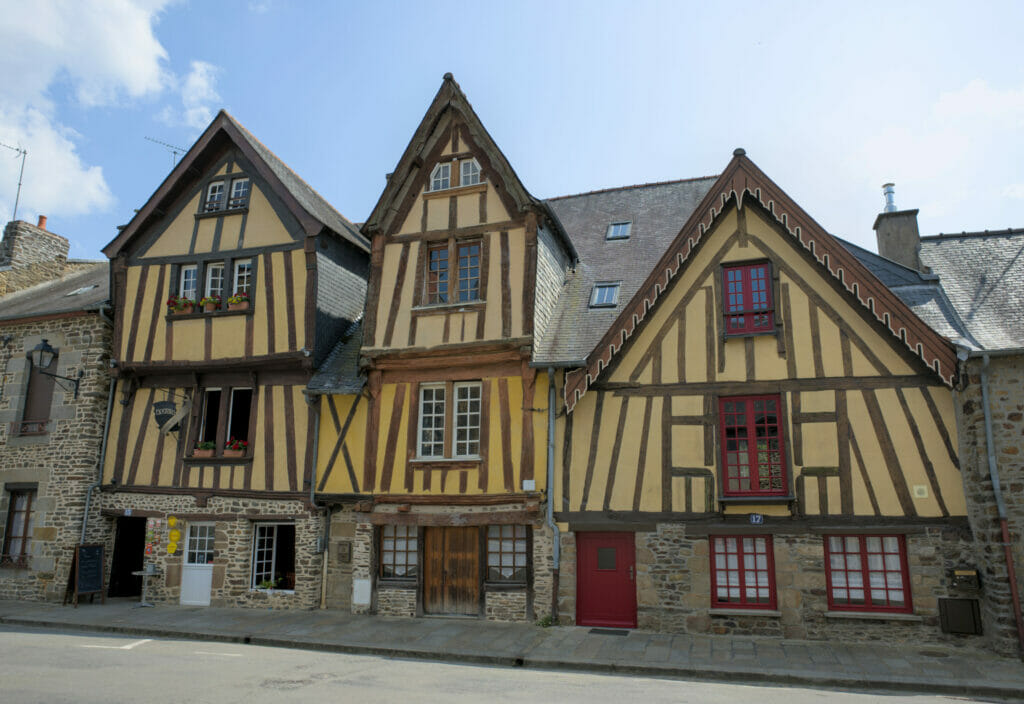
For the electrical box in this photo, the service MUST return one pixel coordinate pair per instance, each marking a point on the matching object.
(345, 552)
(960, 616)
(965, 578)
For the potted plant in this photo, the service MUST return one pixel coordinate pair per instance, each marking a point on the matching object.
(235, 448)
(180, 305)
(238, 301)
(268, 584)
(210, 303)
(204, 449)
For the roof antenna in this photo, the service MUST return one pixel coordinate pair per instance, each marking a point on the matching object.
(17, 197)
(175, 151)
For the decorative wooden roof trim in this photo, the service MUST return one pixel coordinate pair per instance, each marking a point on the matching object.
(740, 180)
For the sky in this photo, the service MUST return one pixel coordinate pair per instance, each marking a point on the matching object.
(830, 99)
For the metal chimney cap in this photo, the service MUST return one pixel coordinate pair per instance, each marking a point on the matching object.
(889, 189)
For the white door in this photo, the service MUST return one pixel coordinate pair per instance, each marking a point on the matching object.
(197, 572)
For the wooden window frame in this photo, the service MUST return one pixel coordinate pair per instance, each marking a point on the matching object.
(747, 312)
(450, 388)
(742, 571)
(181, 280)
(526, 544)
(440, 166)
(409, 532)
(223, 420)
(227, 203)
(615, 286)
(202, 277)
(235, 265)
(752, 451)
(463, 163)
(865, 573)
(275, 525)
(37, 383)
(432, 280)
(21, 559)
(233, 202)
(218, 205)
(461, 274)
(428, 294)
(444, 419)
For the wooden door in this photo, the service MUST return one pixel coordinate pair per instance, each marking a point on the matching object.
(606, 579)
(451, 571)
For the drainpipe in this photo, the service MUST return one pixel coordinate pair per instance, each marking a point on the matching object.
(315, 405)
(99, 464)
(556, 554)
(1000, 505)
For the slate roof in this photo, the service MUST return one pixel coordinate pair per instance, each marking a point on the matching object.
(657, 212)
(84, 289)
(982, 273)
(339, 374)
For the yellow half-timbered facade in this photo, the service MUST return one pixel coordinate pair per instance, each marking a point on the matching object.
(229, 286)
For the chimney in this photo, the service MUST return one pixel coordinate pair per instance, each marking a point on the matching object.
(897, 233)
(42, 222)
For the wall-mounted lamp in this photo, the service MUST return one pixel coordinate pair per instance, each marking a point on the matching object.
(42, 356)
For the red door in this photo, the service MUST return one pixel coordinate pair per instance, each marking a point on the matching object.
(605, 583)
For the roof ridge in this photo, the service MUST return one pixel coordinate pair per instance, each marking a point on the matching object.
(978, 233)
(634, 186)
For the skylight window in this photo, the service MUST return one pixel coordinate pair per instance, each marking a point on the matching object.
(80, 291)
(619, 230)
(605, 295)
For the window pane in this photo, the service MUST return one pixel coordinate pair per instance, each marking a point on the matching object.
(243, 276)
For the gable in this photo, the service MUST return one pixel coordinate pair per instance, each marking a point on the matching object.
(743, 180)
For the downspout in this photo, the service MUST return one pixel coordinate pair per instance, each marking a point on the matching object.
(556, 551)
(1000, 504)
(315, 405)
(102, 458)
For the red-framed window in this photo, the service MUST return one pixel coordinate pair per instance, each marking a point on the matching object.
(748, 299)
(742, 572)
(753, 457)
(399, 552)
(867, 573)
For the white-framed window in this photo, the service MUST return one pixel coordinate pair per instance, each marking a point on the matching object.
(215, 280)
(243, 276)
(225, 417)
(467, 419)
(273, 556)
(239, 193)
(187, 283)
(432, 415)
(469, 173)
(441, 177)
(619, 230)
(199, 550)
(214, 196)
(605, 295)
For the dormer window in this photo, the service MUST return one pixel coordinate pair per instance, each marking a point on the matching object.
(441, 178)
(214, 197)
(619, 230)
(605, 295)
(239, 194)
(470, 174)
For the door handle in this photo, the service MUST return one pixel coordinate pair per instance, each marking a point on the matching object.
(631, 573)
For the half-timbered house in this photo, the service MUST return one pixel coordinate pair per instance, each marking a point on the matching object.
(230, 285)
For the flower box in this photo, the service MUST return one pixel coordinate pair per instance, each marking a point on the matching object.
(184, 310)
(202, 453)
(210, 307)
(244, 305)
(234, 453)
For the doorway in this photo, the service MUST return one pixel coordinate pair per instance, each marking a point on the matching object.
(197, 572)
(128, 556)
(606, 579)
(451, 571)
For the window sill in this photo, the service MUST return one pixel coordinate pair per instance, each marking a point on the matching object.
(756, 499)
(395, 583)
(505, 586)
(217, 460)
(434, 308)
(446, 463)
(767, 613)
(874, 616)
(272, 591)
(223, 211)
(16, 565)
(200, 314)
(759, 333)
(457, 190)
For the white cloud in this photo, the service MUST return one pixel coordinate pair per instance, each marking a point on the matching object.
(99, 52)
(198, 95)
(260, 7)
(1015, 191)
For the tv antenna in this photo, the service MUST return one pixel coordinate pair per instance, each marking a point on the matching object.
(175, 151)
(17, 197)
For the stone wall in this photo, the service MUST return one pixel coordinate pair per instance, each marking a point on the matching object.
(1006, 396)
(235, 522)
(396, 601)
(33, 255)
(61, 463)
(339, 569)
(505, 606)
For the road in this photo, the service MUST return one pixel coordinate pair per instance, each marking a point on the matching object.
(52, 667)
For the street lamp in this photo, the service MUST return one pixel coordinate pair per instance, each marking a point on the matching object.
(42, 356)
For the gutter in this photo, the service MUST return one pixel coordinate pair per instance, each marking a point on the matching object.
(102, 458)
(556, 549)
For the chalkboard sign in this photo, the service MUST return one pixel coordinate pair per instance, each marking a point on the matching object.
(86, 573)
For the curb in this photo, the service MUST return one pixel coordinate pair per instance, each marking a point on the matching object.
(726, 675)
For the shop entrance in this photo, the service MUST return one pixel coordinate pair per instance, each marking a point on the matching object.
(129, 554)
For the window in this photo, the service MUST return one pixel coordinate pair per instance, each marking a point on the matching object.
(742, 572)
(214, 197)
(225, 416)
(399, 553)
(18, 536)
(243, 276)
(867, 573)
(605, 295)
(440, 179)
(506, 553)
(187, 286)
(752, 451)
(437, 282)
(470, 174)
(215, 280)
(201, 538)
(436, 415)
(239, 194)
(273, 556)
(748, 299)
(618, 231)
(38, 398)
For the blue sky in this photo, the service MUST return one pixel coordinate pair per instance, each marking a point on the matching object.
(830, 99)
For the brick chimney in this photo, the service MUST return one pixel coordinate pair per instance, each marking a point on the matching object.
(30, 254)
(897, 233)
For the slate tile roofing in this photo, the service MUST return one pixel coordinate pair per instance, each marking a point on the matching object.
(87, 288)
(339, 374)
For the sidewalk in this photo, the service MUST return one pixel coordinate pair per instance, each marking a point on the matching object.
(923, 669)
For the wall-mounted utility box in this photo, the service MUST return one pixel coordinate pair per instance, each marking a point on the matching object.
(960, 616)
(965, 578)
